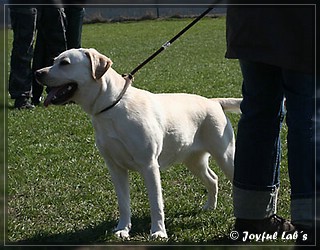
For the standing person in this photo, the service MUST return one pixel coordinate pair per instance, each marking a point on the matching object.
(23, 23)
(51, 41)
(276, 50)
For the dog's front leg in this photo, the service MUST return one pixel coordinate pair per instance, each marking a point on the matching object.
(152, 181)
(120, 179)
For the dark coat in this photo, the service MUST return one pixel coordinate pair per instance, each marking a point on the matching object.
(282, 36)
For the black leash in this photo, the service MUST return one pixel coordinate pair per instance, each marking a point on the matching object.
(129, 77)
(168, 43)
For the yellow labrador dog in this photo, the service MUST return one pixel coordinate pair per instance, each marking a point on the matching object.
(144, 132)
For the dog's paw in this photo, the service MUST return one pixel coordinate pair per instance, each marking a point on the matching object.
(122, 234)
(159, 235)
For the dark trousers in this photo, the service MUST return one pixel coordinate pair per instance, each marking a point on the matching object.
(51, 41)
(74, 17)
(23, 22)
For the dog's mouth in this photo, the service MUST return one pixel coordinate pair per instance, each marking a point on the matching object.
(61, 95)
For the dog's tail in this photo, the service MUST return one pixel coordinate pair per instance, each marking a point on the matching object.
(230, 104)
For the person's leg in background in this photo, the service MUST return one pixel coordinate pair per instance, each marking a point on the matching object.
(51, 41)
(74, 15)
(23, 22)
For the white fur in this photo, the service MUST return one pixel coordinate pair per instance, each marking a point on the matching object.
(148, 132)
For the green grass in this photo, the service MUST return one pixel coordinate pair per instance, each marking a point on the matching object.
(59, 189)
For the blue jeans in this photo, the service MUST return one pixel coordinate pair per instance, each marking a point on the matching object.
(258, 144)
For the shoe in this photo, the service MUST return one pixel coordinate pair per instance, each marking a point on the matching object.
(23, 103)
(273, 226)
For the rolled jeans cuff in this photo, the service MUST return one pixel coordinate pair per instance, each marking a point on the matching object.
(254, 205)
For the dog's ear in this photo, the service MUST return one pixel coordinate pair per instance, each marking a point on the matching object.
(99, 63)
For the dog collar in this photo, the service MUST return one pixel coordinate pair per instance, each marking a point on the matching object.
(129, 80)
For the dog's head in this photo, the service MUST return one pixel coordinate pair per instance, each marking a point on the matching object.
(72, 70)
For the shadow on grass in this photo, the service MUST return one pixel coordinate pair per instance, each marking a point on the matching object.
(97, 235)
(87, 236)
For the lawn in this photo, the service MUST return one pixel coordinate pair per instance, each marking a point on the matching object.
(58, 188)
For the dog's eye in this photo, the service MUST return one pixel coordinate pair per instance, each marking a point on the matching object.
(64, 62)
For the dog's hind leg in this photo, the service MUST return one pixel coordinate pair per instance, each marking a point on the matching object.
(198, 164)
(120, 179)
(224, 153)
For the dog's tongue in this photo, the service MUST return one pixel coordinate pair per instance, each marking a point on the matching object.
(60, 95)
(51, 95)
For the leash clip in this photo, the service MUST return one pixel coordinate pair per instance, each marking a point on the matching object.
(128, 76)
(166, 45)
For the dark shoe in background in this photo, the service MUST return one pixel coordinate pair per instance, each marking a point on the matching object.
(23, 103)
